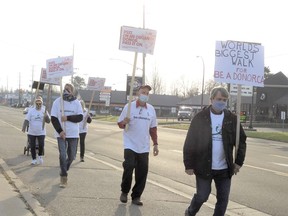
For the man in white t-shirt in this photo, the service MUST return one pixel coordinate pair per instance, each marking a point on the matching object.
(208, 152)
(66, 129)
(142, 124)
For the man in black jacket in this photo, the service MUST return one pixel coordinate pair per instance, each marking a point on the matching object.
(208, 152)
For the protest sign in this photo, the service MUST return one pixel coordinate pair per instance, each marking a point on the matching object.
(137, 40)
(45, 79)
(239, 63)
(95, 83)
(59, 67)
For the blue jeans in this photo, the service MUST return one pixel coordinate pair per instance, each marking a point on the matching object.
(67, 152)
(222, 182)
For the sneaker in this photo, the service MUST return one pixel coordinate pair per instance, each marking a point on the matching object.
(40, 160)
(123, 197)
(34, 162)
(137, 201)
(63, 181)
(81, 159)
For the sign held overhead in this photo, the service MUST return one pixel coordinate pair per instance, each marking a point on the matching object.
(137, 40)
(239, 63)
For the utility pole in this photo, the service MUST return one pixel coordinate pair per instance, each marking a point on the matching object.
(144, 55)
(19, 100)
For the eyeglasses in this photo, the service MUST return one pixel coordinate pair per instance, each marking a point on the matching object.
(38, 104)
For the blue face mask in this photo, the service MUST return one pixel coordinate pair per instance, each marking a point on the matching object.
(219, 105)
(143, 98)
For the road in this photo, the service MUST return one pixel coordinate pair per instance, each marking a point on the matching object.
(260, 185)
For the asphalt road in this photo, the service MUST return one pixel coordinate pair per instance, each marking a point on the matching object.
(260, 185)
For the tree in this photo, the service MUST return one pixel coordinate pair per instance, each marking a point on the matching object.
(78, 82)
(267, 72)
(157, 83)
(210, 84)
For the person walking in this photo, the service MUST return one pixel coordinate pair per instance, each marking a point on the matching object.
(208, 152)
(83, 129)
(142, 124)
(34, 122)
(65, 123)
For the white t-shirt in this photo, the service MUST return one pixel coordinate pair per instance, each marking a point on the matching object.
(35, 118)
(83, 125)
(137, 137)
(70, 108)
(218, 154)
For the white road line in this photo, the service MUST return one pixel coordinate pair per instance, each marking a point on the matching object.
(280, 164)
(280, 156)
(267, 170)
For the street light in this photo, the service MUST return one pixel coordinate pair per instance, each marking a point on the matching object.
(203, 66)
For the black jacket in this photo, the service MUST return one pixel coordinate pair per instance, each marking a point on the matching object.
(197, 150)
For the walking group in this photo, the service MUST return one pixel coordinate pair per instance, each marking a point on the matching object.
(207, 151)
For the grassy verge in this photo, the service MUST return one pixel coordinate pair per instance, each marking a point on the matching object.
(275, 136)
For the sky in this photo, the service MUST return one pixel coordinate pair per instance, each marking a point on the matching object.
(33, 31)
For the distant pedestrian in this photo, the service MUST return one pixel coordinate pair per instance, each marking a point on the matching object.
(142, 123)
(65, 123)
(83, 129)
(34, 122)
(208, 152)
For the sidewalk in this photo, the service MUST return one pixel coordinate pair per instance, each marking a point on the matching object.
(16, 200)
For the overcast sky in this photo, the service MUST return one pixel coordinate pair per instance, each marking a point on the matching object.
(33, 31)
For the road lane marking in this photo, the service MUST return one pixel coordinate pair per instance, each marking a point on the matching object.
(280, 164)
(280, 156)
(267, 170)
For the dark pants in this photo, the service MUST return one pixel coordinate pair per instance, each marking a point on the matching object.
(203, 189)
(82, 144)
(32, 143)
(139, 162)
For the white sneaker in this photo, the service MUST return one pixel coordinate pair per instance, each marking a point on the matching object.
(40, 160)
(34, 162)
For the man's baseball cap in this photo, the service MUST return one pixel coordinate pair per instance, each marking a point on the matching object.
(145, 86)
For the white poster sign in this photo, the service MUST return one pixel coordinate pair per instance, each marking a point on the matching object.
(239, 63)
(45, 79)
(95, 83)
(137, 40)
(59, 67)
(245, 90)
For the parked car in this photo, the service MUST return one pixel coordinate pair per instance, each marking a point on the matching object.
(185, 113)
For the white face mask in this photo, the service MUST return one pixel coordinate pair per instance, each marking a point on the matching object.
(143, 98)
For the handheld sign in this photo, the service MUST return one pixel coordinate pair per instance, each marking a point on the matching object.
(136, 40)
(45, 79)
(59, 67)
(240, 63)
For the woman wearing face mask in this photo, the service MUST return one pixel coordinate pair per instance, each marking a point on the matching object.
(136, 140)
(34, 119)
(208, 152)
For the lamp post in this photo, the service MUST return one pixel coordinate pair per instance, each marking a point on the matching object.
(203, 76)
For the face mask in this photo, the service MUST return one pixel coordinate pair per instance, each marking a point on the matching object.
(38, 106)
(219, 105)
(66, 93)
(143, 98)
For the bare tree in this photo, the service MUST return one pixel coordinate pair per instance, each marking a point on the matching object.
(175, 90)
(157, 83)
(210, 84)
